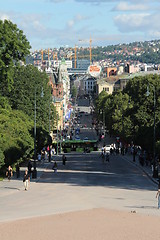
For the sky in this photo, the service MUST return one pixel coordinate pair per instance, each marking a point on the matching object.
(66, 23)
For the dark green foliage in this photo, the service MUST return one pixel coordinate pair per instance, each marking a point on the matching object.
(74, 91)
(130, 113)
(20, 89)
(15, 137)
(13, 48)
(1, 158)
(30, 83)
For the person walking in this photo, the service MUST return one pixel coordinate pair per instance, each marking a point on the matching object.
(26, 180)
(64, 159)
(9, 172)
(55, 167)
(17, 171)
(158, 196)
(29, 167)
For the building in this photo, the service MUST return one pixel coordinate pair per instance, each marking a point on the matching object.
(103, 85)
(89, 84)
(109, 71)
(131, 68)
(111, 84)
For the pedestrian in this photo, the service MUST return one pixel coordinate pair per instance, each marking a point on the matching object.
(26, 180)
(39, 157)
(9, 172)
(158, 196)
(46, 156)
(55, 167)
(107, 157)
(29, 167)
(64, 159)
(17, 171)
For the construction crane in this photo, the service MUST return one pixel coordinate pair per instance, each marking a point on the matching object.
(55, 56)
(90, 47)
(90, 50)
(42, 55)
(75, 57)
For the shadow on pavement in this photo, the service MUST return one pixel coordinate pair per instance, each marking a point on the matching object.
(89, 170)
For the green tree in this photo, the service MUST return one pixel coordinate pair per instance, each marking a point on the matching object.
(14, 47)
(1, 158)
(142, 114)
(74, 91)
(31, 84)
(15, 133)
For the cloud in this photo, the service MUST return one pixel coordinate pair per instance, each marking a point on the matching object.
(78, 18)
(4, 17)
(124, 6)
(108, 1)
(143, 22)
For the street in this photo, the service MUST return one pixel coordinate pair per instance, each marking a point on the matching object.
(85, 189)
(84, 183)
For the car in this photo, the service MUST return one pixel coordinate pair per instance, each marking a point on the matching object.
(86, 138)
(107, 148)
(77, 137)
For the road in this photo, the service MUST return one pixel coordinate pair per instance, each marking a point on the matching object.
(88, 198)
(84, 183)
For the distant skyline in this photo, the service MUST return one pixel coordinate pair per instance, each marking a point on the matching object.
(56, 23)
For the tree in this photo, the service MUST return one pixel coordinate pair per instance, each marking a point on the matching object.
(13, 47)
(142, 114)
(1, 158)
(74, 91)
(15, 133)
(30, 83)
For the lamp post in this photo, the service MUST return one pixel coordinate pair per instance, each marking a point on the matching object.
(155, 172)
(57, 134)
(34, 173)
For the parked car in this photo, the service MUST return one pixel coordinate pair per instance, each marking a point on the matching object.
(86, 138)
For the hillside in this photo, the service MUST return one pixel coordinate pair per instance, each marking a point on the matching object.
(145, 52)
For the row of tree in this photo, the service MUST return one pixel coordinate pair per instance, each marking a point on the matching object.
(20, 99)
(129, 114)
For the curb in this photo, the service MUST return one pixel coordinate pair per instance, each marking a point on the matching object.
(142, 169)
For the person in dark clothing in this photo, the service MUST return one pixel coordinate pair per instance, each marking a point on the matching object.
(29, 168)
(17, 171)
(64, 159)
(55, 167)
(9, 173)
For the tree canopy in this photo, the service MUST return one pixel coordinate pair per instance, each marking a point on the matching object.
(130, 113)
(14, 47)
(20, 98)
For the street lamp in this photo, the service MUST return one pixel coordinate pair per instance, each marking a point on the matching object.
(155, 173)
(34, 173)
(57, 135)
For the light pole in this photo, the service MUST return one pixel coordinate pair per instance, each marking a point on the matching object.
(34, 173)
(155, 173)
(57, 134)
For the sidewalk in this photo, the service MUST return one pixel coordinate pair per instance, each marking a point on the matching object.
(129, 157)
(17, 183)
(146, 169)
